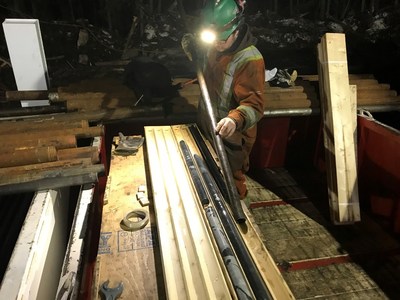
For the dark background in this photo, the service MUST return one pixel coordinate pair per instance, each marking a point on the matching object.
(287, 31)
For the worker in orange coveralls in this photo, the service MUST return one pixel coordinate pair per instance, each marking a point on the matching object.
(235, 77)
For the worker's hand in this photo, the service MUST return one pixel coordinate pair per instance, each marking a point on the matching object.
(225, 127)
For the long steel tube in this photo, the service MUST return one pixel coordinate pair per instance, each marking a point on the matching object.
(231, 262)
(232, 265)
(311, 111)
(194, 174)
(212, 166)
(252, 274)
(233, 195)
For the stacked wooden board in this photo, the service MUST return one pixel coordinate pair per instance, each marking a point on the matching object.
(338, 102)
(370, 91)
(301, 95)
(46, 154)
(109, 99)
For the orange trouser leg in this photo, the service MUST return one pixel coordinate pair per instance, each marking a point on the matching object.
(240, 182)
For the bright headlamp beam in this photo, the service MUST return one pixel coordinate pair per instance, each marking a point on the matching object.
(208, 36)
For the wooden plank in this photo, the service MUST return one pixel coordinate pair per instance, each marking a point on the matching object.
(189, 265)
(28, 156)
(300, 103)
(315, 77)
(106, 114)
(380, 86)
(364, 82)
(285, 96)
(44, 166)
(273, 89)
(199, 265)
(376, 93)
(78, 132)
(29, 126)
(80, 152)
(128, 257)
(263, 260)
(50, 179)
(58, 174)
(93, 104)
(173, 277)
(59, 142)
(338, 129)
(378, 101)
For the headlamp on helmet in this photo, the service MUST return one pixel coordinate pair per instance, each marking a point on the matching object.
(208, 36)
(220, 19)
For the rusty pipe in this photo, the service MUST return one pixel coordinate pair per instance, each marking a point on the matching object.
(233, 195)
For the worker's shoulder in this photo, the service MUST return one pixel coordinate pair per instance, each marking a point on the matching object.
(249, 53)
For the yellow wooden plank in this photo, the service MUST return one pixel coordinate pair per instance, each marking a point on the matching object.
(339, 129)
(186, 252)
(199, 266)
(173, 277)
(263, 260)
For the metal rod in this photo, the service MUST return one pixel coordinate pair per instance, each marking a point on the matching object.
(289, 112)
(212, 166)
(233, 195)
(286, 112)
(231, 262)
(36, 110)
(194, 173)
(253, 276)
(232, 265)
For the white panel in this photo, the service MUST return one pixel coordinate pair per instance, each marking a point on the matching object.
(34, 268)
(28, 60)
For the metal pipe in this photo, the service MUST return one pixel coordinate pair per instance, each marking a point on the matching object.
(36, 110)
(286, 112)
(233, 195)
(212, 166)
(194, 174)
(379, 108)
(253, 276)
(231, 263)
(309, 111)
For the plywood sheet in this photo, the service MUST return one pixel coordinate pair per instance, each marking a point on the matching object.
(123, 256)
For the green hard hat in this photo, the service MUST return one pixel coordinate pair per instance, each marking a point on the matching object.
(223, 16)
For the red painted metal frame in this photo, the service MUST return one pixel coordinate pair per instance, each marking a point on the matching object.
(379, 169)
(93, 234)
(269, 150)
(339, 259)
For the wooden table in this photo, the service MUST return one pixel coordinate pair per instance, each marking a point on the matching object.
(123, 256)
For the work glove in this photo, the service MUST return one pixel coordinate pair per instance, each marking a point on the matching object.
(188, 43)
(225, 127)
